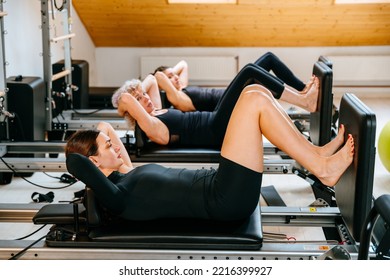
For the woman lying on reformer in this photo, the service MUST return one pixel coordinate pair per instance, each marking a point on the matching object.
(175, 82)
(201, 128)
(230, 192)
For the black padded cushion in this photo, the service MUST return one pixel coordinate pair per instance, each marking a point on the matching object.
(59, 214)
(157, 153)
(182, 234)
(147, 151)
(354, 190)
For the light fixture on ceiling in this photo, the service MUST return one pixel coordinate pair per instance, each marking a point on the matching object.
(202, 1)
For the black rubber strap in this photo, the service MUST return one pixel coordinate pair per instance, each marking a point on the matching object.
(271, 196)
(39, 197)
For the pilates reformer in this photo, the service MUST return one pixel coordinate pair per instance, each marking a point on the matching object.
(78, 233)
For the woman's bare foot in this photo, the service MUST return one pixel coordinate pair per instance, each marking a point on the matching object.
(336, 164)
(308, 85)
(311, 97)
(330, 148)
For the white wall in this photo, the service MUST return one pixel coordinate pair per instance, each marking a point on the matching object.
(112, 66)
(118, 64)
(23, 39)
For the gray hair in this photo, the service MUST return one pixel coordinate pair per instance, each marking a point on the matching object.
(129, 86)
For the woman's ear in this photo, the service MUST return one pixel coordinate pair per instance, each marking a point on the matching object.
(95, 160)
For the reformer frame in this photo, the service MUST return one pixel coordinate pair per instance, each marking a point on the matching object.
(352, 111)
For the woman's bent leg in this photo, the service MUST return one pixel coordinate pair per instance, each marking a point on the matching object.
(249, 74)
(256, 115)
(271, 62)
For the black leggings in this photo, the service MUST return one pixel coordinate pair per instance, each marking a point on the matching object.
(271, 62)
(207, 99)
(235, 191)
(249, 74)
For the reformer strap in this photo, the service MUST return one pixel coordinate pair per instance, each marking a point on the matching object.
(39, 197)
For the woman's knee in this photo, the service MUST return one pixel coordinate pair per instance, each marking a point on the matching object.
(255, 93)
(260, 90)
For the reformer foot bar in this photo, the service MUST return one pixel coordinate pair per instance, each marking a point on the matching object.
(71, 237)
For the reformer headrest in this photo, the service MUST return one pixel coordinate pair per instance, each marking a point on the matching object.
(84, 170)
(140, 137)
(95, 213)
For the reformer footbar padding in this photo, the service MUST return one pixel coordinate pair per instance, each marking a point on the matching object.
(115, 232)
(354, 189)
(321, 120)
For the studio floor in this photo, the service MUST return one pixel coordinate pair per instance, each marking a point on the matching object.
(293, 190)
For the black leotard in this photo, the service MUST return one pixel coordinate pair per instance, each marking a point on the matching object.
(204, 99)
(152, 191)
(190, 128)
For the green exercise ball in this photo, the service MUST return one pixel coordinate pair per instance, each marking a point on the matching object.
(384, 146)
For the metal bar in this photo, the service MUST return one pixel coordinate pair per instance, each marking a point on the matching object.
(90, 124)
(50, 146)
(269, 251)
(33, 147)
(91, 114)
(300, 216)
(60, 75)
(3, 84)
(18, 212)
(34, 165)
(26, 164)
(47, 66)
(270, 215)
(63, 37)
(67, 27)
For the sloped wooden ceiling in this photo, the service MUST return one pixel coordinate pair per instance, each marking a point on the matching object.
(250, 23)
